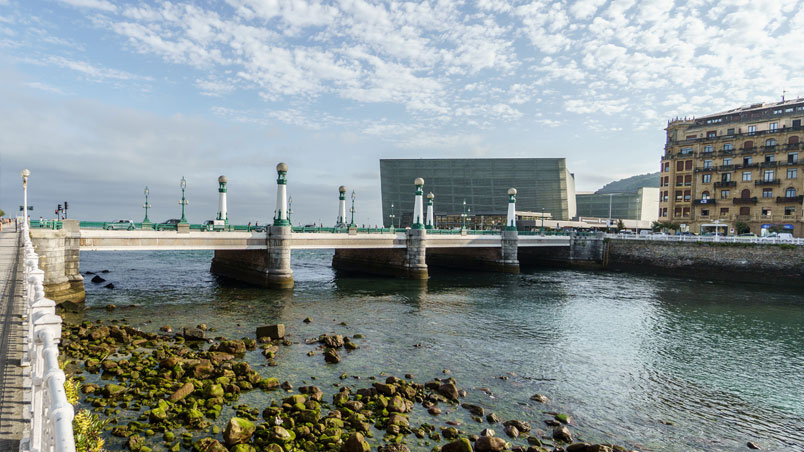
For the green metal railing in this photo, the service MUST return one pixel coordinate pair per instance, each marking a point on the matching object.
(46, 224)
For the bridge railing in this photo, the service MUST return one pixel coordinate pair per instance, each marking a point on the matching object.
(46, 224)
(51, 415)
(709, 239)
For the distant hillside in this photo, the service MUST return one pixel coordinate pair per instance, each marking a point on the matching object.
(631, 184)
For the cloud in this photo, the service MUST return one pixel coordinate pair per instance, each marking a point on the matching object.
(101, 5)
(92, 71)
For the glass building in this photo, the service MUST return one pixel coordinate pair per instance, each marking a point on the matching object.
(640, 205)
(542, 183)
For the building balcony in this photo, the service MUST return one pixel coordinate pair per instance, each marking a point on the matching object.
(706, 169)
(769, 149)
(742, 217)
(768, 164)
(725, 184)
(726, 168)
(726, 152)
(748, 166)
(744, 201)
(743, 134)
(767, 182)
(790, 217)
(792, 146)
(748, 151)
(787, 200)
(707, 201)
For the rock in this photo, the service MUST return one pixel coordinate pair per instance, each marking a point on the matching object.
(487, 432)
(331, 356)
(563, 418)
(521, 426)
(97, 279)
(492, 418)
(397, 405)
(281, 434)
(273, 332)
(135, 442)
(242, 448)
(208, 445)
(109, 286)
(541, 398)
(307, 320)
(449, 390)
(474, 409)
(355, 443)
(104, 271)
(460, 445)
(232, 347)
(393, 448)
(238, 431)
(183, 392)
(111, 307)
(213, 391)
(70, 306)
(512, 431)
(752, 445)
(101, 332)
(598, 448)
(398, 419)
(112, 390)
(434, 410)
(489, 444)
(193, 334)
(562, 433)
(334, 341)
(286, 386)
(534, 440)
(166, 329)
(315, 393)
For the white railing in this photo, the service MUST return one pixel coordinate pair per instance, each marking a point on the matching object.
(51, 415)
(708, 238)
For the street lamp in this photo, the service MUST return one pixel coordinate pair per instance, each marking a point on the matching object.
(290, 209)
(392, 216)
(542, 220)
(352, 224)
(25, 174)
(183, 201)
(464, 215)
(146, 206)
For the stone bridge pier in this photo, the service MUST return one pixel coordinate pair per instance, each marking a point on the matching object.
(264, 268)
(58, 252)
(408, 262)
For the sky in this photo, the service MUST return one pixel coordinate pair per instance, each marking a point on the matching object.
(99, 98)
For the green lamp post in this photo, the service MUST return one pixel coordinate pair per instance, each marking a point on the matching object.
(183, 201)
(146, 206)
(352, 210)
(392, 216)
(464, 215)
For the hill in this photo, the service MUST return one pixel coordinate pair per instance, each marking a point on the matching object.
(631, 184)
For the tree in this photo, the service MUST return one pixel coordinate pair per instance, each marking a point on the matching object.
(620, 225)
(741, 227)
(663, 226)
(2, 213)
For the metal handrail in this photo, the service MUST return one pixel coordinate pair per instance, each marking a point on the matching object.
(709, 239)
(51, 424)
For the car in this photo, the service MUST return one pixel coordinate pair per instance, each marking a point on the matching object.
(119, 224)
(747, 234)
(168, 225)
(262, 228)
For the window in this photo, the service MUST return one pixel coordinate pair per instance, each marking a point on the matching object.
(788, 110)
(778, 111)
(708, 148)
(768, 158)
(678, 195)
(724, 211)
(704, 212)
(768, 176)
(666, 181)
(686, 212)
(792, 140)
(766, 212)
(730, 132)
(707, 164)
(745, 211)
(687, 195)
(664, 196)
(726, 161)
(770, 142)
(666, 167)
(724, 194)
(790, 192)
(792, 157)
(688, 180)
(767, 193)
(688, 165)
(686, 151)
(711, 134)
(774, 125)
(705, 195)
(745, 194)
(664, 211)
(747, 161)
(677, 212)
(752, 130)
(706, 178)
(792, 173)
(679, 181)
(725, 177)
(748, 145)
(790, 211)
(728, 147)
(746, 176)
(797, 122)
(679, 165)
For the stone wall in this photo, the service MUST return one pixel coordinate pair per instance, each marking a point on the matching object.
(58, 252)
(381, 262)
(725, 261)
(584, 251)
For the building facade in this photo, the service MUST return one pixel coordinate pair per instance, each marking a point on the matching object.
(542, 183)
(640, 205)
(735, 167)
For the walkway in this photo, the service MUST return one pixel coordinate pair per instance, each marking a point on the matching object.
(11, 340)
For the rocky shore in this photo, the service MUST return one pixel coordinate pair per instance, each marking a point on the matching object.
(172, 391)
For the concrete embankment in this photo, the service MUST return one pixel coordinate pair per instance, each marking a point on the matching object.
(746, 262)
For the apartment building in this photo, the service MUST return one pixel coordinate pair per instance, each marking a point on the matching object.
(740, 165)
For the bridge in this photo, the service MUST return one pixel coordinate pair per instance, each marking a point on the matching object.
(262, 256)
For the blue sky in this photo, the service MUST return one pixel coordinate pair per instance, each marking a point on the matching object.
(102, 97)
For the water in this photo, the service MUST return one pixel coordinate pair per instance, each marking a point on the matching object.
(655, 363)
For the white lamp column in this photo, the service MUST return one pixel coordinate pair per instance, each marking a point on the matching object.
(341, 206)
(510, 221)
(281, 217)
(25, 174)
(418, 205)
(430, 223)
(223, 214)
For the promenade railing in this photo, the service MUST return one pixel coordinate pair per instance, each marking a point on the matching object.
(708, 239)
(51, 415)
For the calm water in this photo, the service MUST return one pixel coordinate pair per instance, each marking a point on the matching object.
(621, 353)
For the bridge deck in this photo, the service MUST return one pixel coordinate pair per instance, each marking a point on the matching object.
(102, 240)
(11, 340)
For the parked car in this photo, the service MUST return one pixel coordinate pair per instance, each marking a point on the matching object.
(779, 235)
(262, 228)
(168, 225)
(119, 224)
(748, 235)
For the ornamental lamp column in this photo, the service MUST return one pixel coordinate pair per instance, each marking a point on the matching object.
(183, 202)
(341, 206)
(146, 222)
(418, 205)
(510, 221)
(429, 224)
(281, 217)
(223, 213)
(25, 174)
